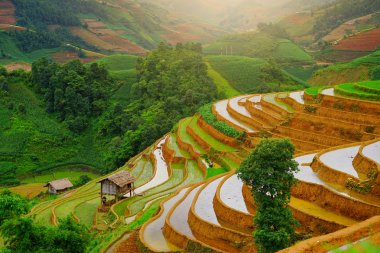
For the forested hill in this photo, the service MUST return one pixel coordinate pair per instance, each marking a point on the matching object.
(84, 117)
(341, 11)
(90, 29)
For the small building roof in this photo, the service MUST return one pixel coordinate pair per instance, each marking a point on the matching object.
(121, 178)
(60, 184)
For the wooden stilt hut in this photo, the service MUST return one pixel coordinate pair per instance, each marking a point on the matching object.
(117, 185)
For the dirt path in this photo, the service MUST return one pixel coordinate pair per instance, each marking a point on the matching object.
(119, 245)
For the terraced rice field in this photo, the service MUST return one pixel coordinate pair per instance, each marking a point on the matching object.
(201, 213)
(332, 148)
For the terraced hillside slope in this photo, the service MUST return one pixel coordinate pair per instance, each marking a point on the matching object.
(337, 140)
(338, 156)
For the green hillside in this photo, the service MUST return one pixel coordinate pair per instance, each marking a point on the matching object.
(28, 131)
(121, 67)
(259, 45)
(247, 74)
(360, 69)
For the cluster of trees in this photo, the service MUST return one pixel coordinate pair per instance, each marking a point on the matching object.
(274, 221)
(28, 41)
(3, 81)
(341, 11)
(172, 84)
(21, 234)
(37, 15)
(40, 13)
(74, 92)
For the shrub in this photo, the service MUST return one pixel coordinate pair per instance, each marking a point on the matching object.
(206, 113)
(310, 109)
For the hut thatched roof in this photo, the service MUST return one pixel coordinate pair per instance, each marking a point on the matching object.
(121, 178)
(60, 184)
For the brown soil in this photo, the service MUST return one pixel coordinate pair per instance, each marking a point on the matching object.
(7, 11)
(63, 57)
(365, 41)
(18, 65)
(129, 245)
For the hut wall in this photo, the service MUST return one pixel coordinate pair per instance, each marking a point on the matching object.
(109, 188)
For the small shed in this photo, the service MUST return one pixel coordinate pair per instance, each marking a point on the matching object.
(117, 185)
(58, 186)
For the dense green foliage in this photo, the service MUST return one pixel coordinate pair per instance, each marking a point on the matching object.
(12, 206)
(369, 62)
(341, 11)
(22, 235)
(40, 13)
(207, 115)
(37, 15)
(27, 132)
(172, 84)
(252, 75)
(362, 92)
(73, 91)
(274, 222)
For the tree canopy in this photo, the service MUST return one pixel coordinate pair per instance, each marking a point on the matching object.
(172, 84)
(269, 170)
(73, 91)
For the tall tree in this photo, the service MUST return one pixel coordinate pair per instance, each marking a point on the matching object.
(269, 170)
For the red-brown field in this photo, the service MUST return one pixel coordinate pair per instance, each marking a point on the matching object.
(123, 45)
(339, 32)
(7, 11)
(63, 57)
(18, 65)
(366, 41)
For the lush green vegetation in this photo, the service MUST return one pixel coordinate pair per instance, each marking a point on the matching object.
(121, 66)
(371, 87)
(301, 72)
(224, 88)
(252, 75)
(206, 113)
(215, 144)
(363, 246)
(271, 42)
(212, 172)
(28, 131)
(172, 83)
(313, 91)
(287, 51)
(351, 90)
(72, 91)
(271, 189)
(360, 69)
(259, 45)
(21, 234)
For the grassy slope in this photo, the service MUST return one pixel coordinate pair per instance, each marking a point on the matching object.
(354, 71)
(28, 136)
(121, 66)
(222, 84)
(288, 51)
(7, 45)
(242, 73)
